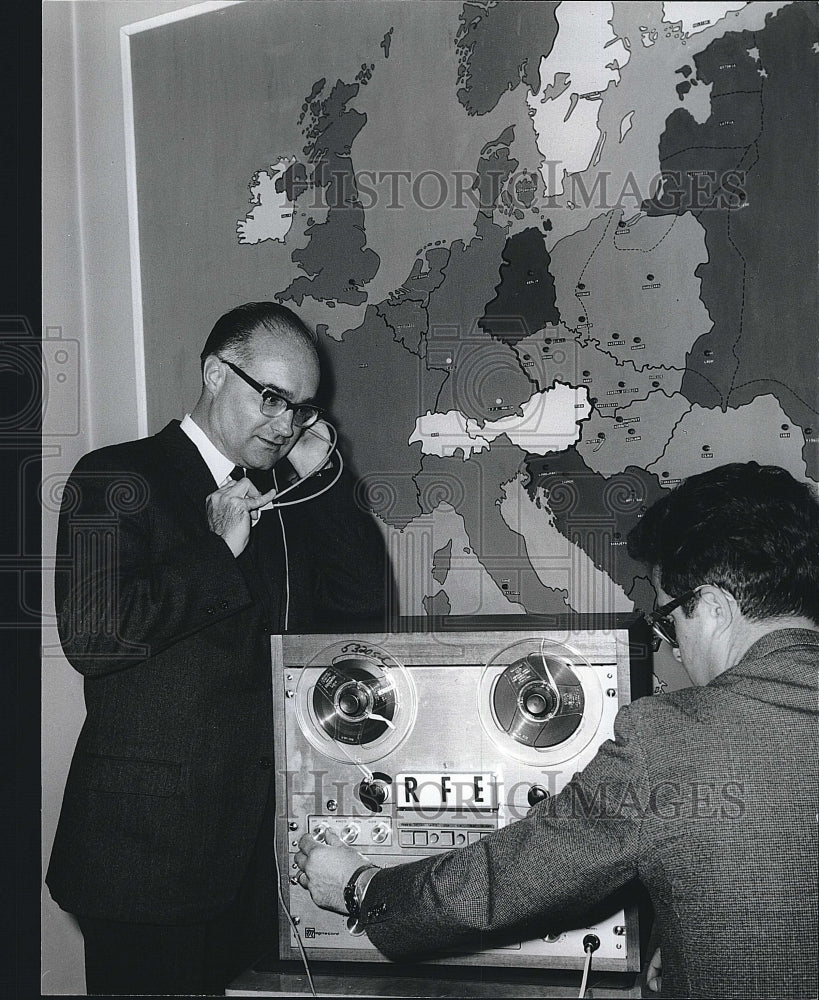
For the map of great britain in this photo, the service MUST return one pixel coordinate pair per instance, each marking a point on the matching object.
(631, 301)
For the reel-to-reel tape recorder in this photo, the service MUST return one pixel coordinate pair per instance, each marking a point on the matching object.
(410, 743)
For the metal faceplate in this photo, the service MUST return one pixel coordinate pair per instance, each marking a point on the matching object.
(407, 745)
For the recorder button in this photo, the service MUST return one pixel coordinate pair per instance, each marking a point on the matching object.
(420, 839)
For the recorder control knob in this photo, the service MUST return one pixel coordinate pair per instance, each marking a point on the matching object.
(537, 793)
(373, 793)
(349, 833)
(380, 833)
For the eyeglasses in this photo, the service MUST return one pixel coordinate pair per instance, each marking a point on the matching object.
(274, 405)
(661, 621)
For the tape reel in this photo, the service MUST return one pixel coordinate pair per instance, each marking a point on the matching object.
(355, 702)
(540, 701)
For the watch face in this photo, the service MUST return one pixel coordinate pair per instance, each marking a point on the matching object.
(352, 897)
(349, 891)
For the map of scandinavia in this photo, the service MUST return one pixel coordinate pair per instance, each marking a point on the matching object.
(616, 294)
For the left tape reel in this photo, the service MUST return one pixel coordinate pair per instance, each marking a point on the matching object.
(355, 702)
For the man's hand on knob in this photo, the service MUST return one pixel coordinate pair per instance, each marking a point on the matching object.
(326, 869)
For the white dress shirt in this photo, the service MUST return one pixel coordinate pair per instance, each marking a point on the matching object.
(220, 467)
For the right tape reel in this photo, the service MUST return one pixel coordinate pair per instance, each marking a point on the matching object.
(540, 701)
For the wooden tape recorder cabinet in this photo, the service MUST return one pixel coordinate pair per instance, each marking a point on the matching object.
(410, 743)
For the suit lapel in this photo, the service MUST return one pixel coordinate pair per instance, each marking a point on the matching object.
(264, 554)
(185, 465)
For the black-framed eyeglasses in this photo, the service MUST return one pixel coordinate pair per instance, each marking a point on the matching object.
(661, 621)
(273, 404)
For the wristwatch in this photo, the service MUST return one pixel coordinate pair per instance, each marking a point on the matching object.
(354, 895)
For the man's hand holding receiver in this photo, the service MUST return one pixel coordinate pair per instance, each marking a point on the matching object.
(312, 449)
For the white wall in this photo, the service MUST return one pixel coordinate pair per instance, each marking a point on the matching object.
(87, 302)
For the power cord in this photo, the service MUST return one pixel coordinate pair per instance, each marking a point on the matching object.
(286, 909)
(286, 562)
(591, 942)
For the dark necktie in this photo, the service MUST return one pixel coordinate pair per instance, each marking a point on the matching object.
(265, 550)
(262, 479)
(237, 473)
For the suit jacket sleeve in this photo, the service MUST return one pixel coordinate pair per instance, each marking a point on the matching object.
(569, 853)
(135, 577)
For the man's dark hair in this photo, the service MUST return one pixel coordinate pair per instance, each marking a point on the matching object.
(236, 327)
(752, 530)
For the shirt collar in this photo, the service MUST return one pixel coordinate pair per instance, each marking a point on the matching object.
(220, 467)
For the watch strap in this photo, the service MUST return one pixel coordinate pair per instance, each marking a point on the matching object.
(350, 901)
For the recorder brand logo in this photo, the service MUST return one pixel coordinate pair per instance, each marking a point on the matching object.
(441, 791)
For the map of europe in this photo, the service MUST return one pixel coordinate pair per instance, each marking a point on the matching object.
(619, 293)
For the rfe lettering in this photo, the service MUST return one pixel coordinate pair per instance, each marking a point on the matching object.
(410, 784)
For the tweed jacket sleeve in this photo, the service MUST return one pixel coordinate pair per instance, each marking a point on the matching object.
(707, 795)
(568, 853)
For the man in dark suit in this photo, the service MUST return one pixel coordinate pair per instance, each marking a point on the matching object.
(708, 795)
(176, 562)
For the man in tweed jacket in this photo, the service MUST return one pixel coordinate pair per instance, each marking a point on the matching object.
(708, 796)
